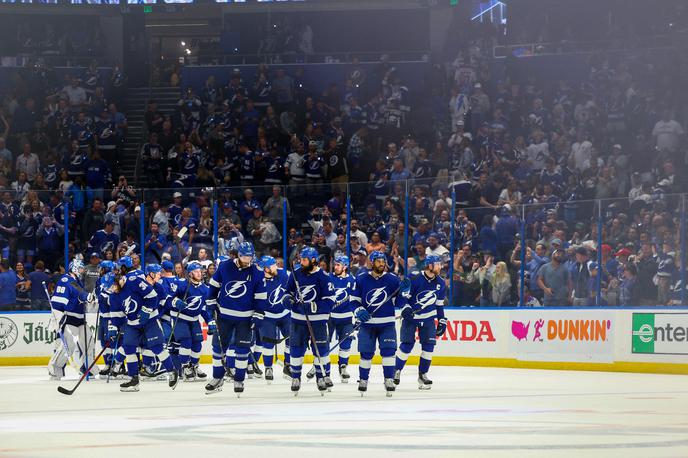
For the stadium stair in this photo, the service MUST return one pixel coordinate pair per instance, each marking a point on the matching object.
(136, 102)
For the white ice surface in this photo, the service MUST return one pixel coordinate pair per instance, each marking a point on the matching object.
(469, 412)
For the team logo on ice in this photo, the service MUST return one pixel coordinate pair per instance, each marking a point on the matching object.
(8, 333)
(376, 297)
(425, 298)
(235, 289)
(307, 293)
(276, 295)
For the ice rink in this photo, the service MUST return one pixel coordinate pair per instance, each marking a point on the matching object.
(469, 412)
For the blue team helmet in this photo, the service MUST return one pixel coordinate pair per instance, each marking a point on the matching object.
(76, 266)
(190, 267)
(266, 261)
(167, 265)
(343, 260)
(308, 253)
(246, 249)
(431, 259)
(126, 261)
(375, 255)
(153, 269)
(107, 265)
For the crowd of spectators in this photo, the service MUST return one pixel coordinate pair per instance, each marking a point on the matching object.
(537, 168)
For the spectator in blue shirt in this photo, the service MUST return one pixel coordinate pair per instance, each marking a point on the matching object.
(8, 290)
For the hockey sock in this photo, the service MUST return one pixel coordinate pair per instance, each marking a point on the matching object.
(403, 354)
(425, 360)
(327, 368)
(267, 359)
(148, 359)
(241, 364)
(295, 367)
(184, 355)
(257, 354)
(132, 365)
(344, 356)
(388, 366)
(364, 366)
(195, 354)
(230, 358)
(218, 368)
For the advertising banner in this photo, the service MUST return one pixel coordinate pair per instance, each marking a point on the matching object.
(562, 335)
(660, 333)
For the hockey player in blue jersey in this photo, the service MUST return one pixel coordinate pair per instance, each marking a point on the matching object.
(187, 313)
(273, 312)
(341, 318)
(103, 293)
(154, 278)
(314, 297)
(141, 310)
(232, 295)
(425, 301)
(376, 293)
(68, 308)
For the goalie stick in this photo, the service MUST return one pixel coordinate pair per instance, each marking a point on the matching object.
(63, 390)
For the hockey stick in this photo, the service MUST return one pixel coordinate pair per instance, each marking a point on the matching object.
(83, 377)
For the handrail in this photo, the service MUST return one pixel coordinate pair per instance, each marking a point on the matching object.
(144, 132)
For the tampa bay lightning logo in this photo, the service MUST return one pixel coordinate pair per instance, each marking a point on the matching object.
(334, 159)
(340, 295)
(307, 293)
(427, 297)
(376, 297)
(130, 305)
(235, 289)
(177, 219)
(194, 303)
(276, 295)
(107, 246)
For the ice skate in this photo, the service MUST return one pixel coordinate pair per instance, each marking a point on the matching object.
(295, 386)
(238, 388)
(214, 386)
(424, 383)
(257, 372)
(189, 373)
(362, 386)
(343, 374)
(397, 376)
(286, 371)
(389, 387)
(199, 373)
(103, 374)
(328, 383)
(172, 379)
(311, 373)
(130, 386)
(269, 377)
(322, 385)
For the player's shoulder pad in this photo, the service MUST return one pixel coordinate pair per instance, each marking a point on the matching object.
(64, 279)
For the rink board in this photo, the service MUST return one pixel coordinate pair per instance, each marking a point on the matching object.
(620, 340)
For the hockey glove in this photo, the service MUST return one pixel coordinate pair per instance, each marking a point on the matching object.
(179, 304)
(212, 327)
(407, 313)
(362, 315)
(441, 327)
(288, 301)
(112, 332)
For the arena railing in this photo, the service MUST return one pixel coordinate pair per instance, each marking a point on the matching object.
(604, 235)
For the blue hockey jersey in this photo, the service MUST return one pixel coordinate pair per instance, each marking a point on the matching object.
(312, 287)
(69, 297)
(196, 295)
(139, 299)
(275, 289)
(344, 288)
(426, 296)
(375, 295)
(234, 291)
